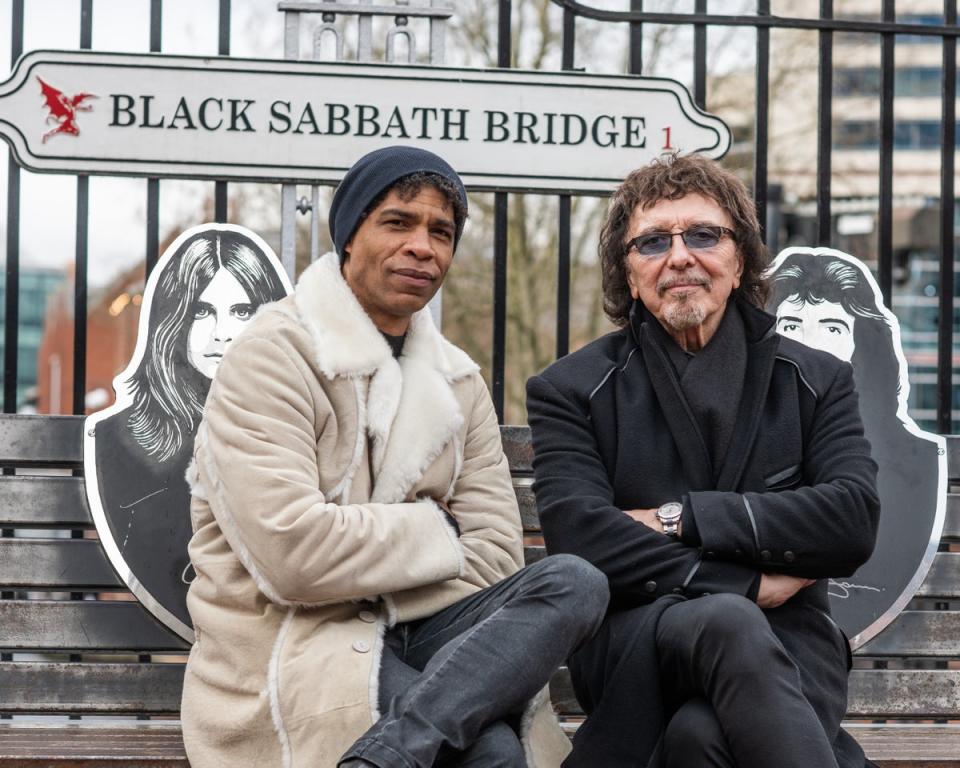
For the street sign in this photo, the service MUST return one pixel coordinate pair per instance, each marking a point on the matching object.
(294, 121)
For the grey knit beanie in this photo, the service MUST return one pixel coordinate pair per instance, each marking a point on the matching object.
(373, 173)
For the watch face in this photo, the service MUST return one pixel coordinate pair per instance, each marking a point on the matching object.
(670, 512)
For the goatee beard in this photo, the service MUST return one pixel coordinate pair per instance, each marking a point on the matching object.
(683, 314)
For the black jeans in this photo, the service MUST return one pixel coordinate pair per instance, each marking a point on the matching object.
(453, 686)
(733, 691)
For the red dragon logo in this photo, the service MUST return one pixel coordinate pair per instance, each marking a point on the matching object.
(63, 109)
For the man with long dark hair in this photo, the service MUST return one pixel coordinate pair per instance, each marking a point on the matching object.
(717, 473)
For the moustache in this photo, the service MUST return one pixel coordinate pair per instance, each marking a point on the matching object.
(692, 280)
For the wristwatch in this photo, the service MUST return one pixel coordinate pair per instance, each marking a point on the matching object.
(669, 515)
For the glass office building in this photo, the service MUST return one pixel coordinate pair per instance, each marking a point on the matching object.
(36, 285)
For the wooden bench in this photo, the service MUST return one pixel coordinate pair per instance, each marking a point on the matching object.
(70, 651)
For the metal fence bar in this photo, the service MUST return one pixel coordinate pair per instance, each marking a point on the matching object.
(948, 142)
(81, 259)
(761, 133)
(288, 192)
(825, 128)
(700, 58)
(500, 224)
(80, 294)
(153, 185)
(762, 21)
(223, 48)
(563, 214)
(885, 232)
(636, 39)
(153, 204)
(11, 329)
(81, 251)
(12, 285)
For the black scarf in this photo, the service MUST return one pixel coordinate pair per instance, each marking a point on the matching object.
(711, 380)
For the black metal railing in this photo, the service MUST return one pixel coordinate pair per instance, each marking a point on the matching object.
(886, 28)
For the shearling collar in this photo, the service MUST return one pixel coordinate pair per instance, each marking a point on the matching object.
(408, 408)
(347, 341)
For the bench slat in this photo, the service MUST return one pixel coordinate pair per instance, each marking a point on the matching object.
(943, 579)
(518, 449)
(82, 564)
(917, 633)
(30, 501)
(909, 746)
(84, 688)
(27, 501)
(875, 693)
(82, 625)
(40, 687)
(41, 440)
(50, 563)
(92, 745)
(953, 458)
(160, 745)
(924, 693)
(58, 440)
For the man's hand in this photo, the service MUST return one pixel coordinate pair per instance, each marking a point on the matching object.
(777, 588)
(647, 517)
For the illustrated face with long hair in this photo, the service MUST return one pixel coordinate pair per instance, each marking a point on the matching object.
(220, 313)
(211, 286)
(204, 291)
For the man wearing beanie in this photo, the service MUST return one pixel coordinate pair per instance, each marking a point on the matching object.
(359, 599)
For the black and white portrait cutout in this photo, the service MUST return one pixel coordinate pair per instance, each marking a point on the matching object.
(202, 293)
(830, 300)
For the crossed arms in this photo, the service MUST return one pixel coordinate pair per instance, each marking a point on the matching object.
(824, 528)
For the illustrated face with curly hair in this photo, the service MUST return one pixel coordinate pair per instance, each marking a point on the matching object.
(823, 325)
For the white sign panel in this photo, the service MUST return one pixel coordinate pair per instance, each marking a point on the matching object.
(226, 118)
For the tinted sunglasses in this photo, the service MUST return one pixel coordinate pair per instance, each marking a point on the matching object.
(699, 238)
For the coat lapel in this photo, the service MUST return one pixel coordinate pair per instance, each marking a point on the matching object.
(428, 414)
(411, 409)
(676, 412)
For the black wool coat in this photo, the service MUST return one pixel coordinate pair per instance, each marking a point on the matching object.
(795, 494)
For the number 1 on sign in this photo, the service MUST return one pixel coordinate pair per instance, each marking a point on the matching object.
(666, 143)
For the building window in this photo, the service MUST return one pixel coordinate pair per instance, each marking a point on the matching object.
(907, 134)
(907, 82)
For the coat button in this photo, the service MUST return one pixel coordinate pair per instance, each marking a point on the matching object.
(789, 556)
(711, 554)
(650, 586)
(361, 646)
(678, 590)
(367, 616)
(765, 555)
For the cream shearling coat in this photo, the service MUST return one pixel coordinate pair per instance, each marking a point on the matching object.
(314, 526)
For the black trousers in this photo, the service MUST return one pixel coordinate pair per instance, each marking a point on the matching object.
(454, 686)
(731, 692)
